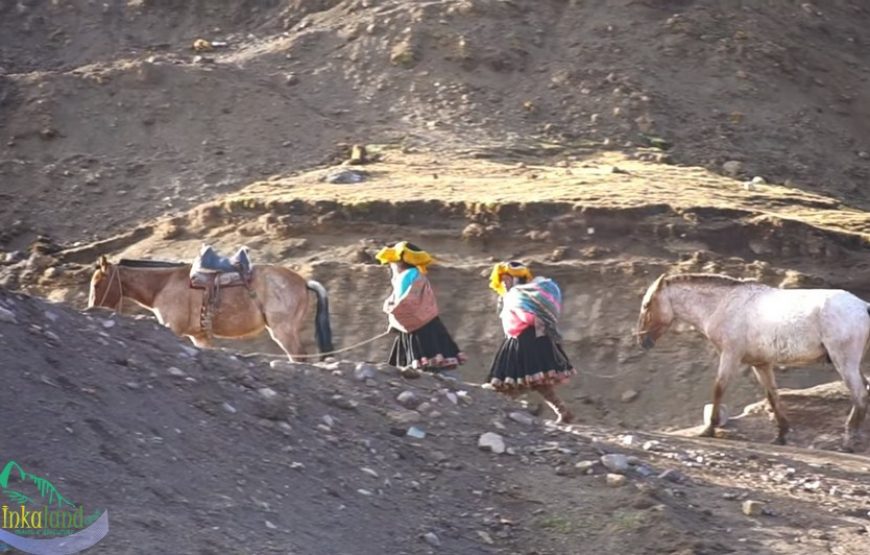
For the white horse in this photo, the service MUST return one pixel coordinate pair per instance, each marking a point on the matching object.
(753, 324)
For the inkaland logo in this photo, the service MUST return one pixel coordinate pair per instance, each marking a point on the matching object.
(35, 518)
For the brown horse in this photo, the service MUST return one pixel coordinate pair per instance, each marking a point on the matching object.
(277, 300)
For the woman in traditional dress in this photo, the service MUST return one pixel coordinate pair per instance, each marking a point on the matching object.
(422, 342)
(531, 357)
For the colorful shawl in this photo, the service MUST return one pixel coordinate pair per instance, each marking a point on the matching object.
(412, 304)
(542, 298)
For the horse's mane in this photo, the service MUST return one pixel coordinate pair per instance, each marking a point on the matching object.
(131, 263)
(709, 279)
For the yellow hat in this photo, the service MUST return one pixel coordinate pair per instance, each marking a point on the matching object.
(512, 268)
(404, 252)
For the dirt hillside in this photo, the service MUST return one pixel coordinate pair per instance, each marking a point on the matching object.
(604, 142)
(202, 452)
(108, 107)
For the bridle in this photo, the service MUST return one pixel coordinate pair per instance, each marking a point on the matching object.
(651, 330)
(116, 276)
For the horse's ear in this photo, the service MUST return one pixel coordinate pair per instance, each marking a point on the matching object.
(659, 282)
(103, 263)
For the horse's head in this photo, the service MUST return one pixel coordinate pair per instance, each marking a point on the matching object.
(655, 316)
(105, 286)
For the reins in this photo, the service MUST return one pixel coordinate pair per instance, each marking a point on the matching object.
(116, 274)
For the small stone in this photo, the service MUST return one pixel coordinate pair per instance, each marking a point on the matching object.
(15, 256)
(558, 254)
(758, 180)
(281, 365)
(672, 475)
(344, 177)
(328, 420)
(364, 371)
(616, 480)
(585, 466)
(415, 432)
(365, 492)
(229, 408)
(291, 79)
(108, 324)
(485, 537)
(752, 508)
(522, 418)
(267, 392)
(409, 399)
(177, 372)
(652, 445)
(473, 230)
(7, 316)
(492, 442)
(432, 539)
(370, 472)
(404, 416)
(629, 395)
(358, 155)
(343, 402)
(464, 398)
(732, 168)
(615, 463)
(271, 526)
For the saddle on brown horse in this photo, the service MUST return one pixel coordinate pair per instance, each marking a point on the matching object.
(211, 272)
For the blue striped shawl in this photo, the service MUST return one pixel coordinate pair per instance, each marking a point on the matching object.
(543, 298)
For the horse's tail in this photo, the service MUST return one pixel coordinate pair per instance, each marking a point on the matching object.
(323, 331)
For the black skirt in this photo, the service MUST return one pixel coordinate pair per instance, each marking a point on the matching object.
(527, 361)
(428, 348)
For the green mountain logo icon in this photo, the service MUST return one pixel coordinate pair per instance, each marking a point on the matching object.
(38, 519)
(48, 493)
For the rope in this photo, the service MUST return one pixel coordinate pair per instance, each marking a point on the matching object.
(603, 376)
(335, 352)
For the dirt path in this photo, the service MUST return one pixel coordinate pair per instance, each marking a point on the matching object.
(203, 452)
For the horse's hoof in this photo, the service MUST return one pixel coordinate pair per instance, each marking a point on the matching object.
(708, 432)
(847, 449)
(565, 418)
(778, 441)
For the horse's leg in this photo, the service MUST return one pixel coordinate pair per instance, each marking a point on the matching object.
(201, 341)
(728, 365)
(855, 381)
(766, 378)
(846, 355)
(284, 310)
(287, 337)
(848, 364)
